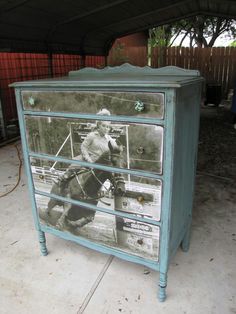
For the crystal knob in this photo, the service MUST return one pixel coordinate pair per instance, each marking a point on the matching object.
(139, 106)
(31, 101)
(140, 150)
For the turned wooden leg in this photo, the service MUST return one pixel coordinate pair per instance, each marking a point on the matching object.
(42, 242)
(186, 240)
(162, 287)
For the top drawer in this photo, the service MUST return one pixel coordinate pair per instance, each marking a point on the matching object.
(138, 104)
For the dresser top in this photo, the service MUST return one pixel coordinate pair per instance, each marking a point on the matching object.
(120, 76)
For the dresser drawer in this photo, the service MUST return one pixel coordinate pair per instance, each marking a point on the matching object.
(135, 195)
(139, 104)
(77, 138)
(127, 235)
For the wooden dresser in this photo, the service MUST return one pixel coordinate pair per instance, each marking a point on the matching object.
(110, 157)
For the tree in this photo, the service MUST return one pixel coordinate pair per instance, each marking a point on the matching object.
(202, 31)
(159, 37)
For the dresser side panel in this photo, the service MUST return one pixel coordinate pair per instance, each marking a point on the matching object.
(187, 111)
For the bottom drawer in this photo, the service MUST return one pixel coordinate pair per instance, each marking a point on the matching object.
(127, 235)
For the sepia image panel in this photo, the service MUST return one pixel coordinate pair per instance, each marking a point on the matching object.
(127, 235)
(131, 194)
(138, 104)
(140, 145)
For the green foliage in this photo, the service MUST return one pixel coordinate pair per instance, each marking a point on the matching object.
(201, 30)
(233, 44)
(160, 36)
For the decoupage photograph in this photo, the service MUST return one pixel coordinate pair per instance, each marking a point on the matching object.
(117, 192)
(120, 145)
(143, 104)
(87, 140)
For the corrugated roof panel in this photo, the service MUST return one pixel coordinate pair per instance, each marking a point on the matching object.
(89, 27)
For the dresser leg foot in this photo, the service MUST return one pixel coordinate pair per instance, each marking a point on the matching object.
(42, 242)
(162, 287)
(186, 240)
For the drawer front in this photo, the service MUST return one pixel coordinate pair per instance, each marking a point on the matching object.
(138, 104)
(142, 144)
(127, 235)
(121, 192)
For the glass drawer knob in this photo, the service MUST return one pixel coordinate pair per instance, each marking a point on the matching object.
(31, 101)
(139, 105)
(140, 150)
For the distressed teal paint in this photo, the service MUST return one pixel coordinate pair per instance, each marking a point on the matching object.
(184, 159)
(42, 242)
(181, 117)
(162, 286)
(167, 192)
(42, 239)
(26, 159)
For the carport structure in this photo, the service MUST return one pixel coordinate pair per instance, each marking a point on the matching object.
(90, 27)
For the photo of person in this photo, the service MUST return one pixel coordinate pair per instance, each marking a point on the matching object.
(95, 144)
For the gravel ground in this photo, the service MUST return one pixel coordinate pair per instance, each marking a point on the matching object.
(217, 143)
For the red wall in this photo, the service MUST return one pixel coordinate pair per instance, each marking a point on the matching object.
(30, 66)
(16, 67)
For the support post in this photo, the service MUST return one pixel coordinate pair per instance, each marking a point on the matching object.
(50, 64)
(106, 60)
(3, 132)
(82, 61)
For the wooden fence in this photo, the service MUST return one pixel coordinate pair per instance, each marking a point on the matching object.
(217, 65)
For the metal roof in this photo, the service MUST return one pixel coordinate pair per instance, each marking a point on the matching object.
(90, 27)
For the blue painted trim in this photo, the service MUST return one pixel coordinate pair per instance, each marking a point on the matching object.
(102, 248)
(96, 166)
(26, 159)
(95, 117)
(167, 182)
(162, 286)
(100, 209)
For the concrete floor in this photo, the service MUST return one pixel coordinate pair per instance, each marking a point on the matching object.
(73, 279)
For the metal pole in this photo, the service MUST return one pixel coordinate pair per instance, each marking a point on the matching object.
(71, 143)
(82, 61)
(60, 150)
(106, 60)
(2, 122)
(50, 64)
